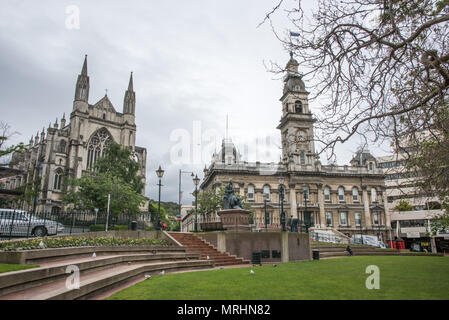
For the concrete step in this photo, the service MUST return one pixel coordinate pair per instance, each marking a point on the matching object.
(197, 245)
(96, 282)
(11, 282)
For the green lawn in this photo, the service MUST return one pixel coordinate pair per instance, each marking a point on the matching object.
(342, 278)
(15, 267)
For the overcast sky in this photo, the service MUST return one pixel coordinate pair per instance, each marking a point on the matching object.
(194, 62)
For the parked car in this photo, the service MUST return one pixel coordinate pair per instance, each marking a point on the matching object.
(22, 223)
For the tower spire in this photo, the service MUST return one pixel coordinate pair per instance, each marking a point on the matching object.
(129, 102)
(84, 70)
(82, 85)
(130, 85)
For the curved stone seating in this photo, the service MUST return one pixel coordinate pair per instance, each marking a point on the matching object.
(96, 274)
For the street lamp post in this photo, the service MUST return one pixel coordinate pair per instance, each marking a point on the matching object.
(196, 181)
(159, 173)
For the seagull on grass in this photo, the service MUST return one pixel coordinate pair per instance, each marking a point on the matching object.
(42, 245)
(251, 271)
(147, 276)
(162, 272)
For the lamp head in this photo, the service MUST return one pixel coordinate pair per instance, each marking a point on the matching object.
(160, 172)
(196, 180)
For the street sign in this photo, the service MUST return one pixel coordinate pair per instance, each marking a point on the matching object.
(179, 218)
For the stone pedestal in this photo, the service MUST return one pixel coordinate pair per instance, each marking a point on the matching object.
(235, 219)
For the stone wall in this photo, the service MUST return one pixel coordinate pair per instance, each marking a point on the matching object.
(287, 246)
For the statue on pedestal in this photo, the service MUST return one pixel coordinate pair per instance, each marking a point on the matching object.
(230, 201)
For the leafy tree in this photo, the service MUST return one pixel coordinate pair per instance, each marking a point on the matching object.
(116, 173)
(440, 222)
(4, 136)
(404, 206)
(118, 162)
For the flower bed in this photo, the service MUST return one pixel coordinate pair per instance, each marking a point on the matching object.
(30, 244)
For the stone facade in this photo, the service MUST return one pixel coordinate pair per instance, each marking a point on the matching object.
(67, 149)
(349, 198)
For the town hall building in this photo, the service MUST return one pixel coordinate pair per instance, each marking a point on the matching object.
(67, 149)
(347, 199)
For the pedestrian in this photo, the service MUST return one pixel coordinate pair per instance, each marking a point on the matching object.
(348, 248)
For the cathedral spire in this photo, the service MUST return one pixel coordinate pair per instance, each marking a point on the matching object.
(130, 85)
(82, 84)
(129, 102)
(84, 70)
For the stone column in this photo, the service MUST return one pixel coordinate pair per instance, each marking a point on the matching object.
(293, 205)
(321, 205)
(366, 207)
(284, 247)
(241, 189)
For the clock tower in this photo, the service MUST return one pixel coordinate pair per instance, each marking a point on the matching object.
(296, 125)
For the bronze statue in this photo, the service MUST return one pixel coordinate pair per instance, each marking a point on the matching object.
(230, 201)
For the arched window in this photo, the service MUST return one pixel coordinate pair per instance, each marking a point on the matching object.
(373, 195)
(55, 210)
(266, 192)
(250, 192)
(58, 179)
(62, 146)
(341, 194)
(98, 143)
(298, 106)
(355, 194)
(327, 194)
(302, 157)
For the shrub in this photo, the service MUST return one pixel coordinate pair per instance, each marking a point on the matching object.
(120, 227)
(97, 227)
(80, 242)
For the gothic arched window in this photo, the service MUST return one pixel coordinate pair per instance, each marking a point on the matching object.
(98, 143)
(62, 146)
(298, 106)
(58, 179)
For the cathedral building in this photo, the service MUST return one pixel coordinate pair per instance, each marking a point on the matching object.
(67, 149)
(347, 199)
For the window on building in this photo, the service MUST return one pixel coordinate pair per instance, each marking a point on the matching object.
(302, 157)
(355, 194)
(376, 217)
(373, 195)
(58, 179)
(55, 210)
(371, 166)
(306, 193)
(266, 192)
(341, 194)
(62, 146)
(329, 219)
(98, 143)
(250, 192)
(298, 106)
(358, 218)
(327, 194)
(343, 218)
